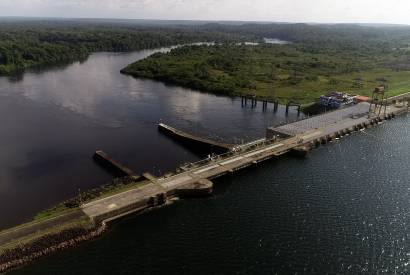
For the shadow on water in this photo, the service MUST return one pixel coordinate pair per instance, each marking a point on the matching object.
(40, 69)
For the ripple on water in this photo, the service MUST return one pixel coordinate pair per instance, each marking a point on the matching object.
(344, 209)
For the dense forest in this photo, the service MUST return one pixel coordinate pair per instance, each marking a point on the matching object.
(319, 58)
(24, 44)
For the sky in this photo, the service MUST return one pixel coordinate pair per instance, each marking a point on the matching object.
(320, 11)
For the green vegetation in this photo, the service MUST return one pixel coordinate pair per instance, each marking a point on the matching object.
(286, 72)
(72, 205)
(320, 59)
(27, 44)
(63, 211)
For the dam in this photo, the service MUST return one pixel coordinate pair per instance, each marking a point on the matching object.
(195, 179)
(299, 137)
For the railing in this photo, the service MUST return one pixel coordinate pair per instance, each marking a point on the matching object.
(237, 150)
(402, 96)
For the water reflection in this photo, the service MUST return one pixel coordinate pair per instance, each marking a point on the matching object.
(53, 120)
(343, 210)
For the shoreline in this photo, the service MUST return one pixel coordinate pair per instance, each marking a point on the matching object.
(57, 228)
(22, 255)
(197, 88)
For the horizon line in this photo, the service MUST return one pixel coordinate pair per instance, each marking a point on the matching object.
(199, 20)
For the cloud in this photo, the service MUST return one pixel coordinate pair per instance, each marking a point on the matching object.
(332, 11)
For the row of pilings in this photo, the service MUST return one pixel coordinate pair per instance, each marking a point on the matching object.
(253, 102)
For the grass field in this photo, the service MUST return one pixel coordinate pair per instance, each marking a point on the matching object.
(309, 91)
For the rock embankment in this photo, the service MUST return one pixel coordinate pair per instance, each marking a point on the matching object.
(46, 245)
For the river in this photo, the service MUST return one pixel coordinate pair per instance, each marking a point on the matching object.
(344, 209)
(54, 119)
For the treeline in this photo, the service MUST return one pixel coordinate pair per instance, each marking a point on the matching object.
(27, 44)
(284, 72)
(314, 38)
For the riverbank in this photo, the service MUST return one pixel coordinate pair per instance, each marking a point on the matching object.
(310, 201)
(287, 72)
(138, 144)
(28, 44)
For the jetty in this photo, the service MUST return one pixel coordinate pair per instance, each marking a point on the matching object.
(253, 99)
(193, 140)
(298, 137)
(111, 165)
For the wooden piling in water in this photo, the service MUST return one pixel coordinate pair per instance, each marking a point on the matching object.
(264, 105)
(290, 104)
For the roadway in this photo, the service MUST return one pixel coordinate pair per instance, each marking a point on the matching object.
(218, 166)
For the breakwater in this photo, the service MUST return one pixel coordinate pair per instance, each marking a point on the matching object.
(194, 141)
(46, 245)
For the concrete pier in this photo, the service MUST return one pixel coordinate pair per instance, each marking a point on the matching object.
(193, 140)
(201, 188)
(113, 166)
